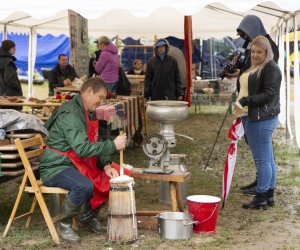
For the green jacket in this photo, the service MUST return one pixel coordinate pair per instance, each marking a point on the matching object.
(68, 130)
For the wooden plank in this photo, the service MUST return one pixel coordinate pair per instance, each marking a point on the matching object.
(176, 177)
(16, 172)
(47, 190)
(173, 197)
(37, 140)
(8, 147)
(147, 224)
(149, 212)
(9, 156)
(179, 197)
(34, 153)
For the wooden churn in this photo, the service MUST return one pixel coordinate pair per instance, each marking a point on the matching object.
(122, 221)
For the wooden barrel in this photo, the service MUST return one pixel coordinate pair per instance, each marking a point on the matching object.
(122, 221)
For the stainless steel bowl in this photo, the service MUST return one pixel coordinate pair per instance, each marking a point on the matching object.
(167, 111)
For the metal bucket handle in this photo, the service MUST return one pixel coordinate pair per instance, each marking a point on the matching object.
(190, 223)
(210, 215)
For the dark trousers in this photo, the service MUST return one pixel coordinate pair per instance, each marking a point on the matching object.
(81, 187)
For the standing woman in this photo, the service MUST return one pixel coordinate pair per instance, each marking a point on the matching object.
(258, 105)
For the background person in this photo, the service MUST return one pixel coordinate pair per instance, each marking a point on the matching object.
(258, 105)
(9, 81)
(162, 80)
(107, 67)
(250, 27)
(137, 68)
(77, 161)
(61, 75)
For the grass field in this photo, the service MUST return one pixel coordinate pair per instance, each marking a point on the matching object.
(275, 228)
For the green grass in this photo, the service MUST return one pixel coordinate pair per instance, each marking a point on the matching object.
(236, 229)
(40, 91)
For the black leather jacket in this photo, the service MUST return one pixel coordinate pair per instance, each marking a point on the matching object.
(263, 93)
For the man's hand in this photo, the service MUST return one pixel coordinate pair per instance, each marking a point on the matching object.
(233, 75)
(67, 82)
(179, 98)
(120, 142)
(110, 171)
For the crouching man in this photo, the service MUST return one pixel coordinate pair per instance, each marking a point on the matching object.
(75, 160)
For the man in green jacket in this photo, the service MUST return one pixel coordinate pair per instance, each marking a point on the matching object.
(74, 158)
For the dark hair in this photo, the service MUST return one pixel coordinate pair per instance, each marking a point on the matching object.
(7, 45)
(95, 83)
(61, 55)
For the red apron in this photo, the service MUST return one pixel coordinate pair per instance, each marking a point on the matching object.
(87, 166)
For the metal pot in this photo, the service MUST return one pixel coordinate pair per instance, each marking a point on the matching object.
(175, 225)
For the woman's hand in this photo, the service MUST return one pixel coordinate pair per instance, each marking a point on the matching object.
(237, 109)
(110, 171)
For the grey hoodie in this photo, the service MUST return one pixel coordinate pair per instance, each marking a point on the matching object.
(252, 26)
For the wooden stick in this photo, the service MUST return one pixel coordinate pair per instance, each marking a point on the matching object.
(121, 159)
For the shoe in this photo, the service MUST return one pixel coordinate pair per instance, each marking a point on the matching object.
(89, 219)
(64, 227)
(259, 201)
(93, 224)
(250, 192)
(270, 195)
(251, 185)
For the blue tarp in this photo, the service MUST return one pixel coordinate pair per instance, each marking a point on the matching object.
(48, 49)
(129, 54)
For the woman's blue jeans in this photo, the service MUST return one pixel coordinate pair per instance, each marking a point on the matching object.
(81, 187)
(259, 136)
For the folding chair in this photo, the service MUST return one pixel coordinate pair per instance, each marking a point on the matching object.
(34, 148)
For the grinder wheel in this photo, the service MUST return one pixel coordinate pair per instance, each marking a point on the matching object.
(155, 146)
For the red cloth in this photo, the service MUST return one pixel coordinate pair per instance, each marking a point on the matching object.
(87, 166)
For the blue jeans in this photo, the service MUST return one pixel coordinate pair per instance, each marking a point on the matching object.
(112, 87)
(81, 188)
(259, 136)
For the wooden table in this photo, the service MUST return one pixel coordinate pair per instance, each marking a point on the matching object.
(174, 179)
(4, 102)
(32, 104)
(66, 89)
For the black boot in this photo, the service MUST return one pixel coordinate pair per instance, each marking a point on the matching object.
(249, 186)
(250, 191)
(89, 218)
(259, 201)
(271, 201)
(64, 227)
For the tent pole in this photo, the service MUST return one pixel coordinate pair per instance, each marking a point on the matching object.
(31, 59)
(188, 55)
(4, 32)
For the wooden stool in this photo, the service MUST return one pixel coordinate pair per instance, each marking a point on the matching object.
(174, 179)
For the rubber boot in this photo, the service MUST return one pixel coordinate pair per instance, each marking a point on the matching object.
(69, 210)
(89, 218)
(259, 201)
(249, 186)
(271, 201)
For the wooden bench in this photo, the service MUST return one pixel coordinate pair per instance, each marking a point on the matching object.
(174, 191)
(174, 179)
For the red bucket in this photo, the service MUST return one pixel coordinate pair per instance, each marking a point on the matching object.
(205, 209)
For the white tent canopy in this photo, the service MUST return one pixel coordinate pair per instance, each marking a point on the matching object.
(140, 19)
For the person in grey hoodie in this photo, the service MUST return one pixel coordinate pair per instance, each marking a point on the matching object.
(250, 27)
(107, 66)
(9, 81)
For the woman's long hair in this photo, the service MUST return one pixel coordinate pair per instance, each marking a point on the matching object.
(263, 43)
